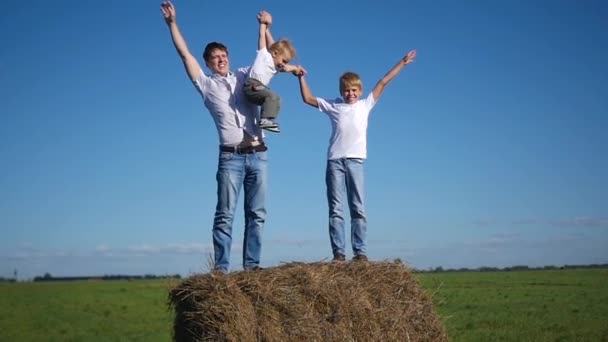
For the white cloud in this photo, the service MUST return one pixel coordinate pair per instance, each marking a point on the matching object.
(188, 248)
(29, 251)
(102, 248)
(485, 222)
(143, 249)
(580, 222)
(526, 222)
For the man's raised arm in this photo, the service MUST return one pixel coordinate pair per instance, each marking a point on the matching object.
(190, 63)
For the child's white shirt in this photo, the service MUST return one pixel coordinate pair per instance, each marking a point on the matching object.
(263, 68)
(348, 126)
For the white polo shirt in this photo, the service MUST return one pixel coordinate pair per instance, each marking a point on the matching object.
(263, 68)
(348, 126)
(232, 113)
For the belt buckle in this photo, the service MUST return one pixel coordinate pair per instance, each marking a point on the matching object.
(239, 149)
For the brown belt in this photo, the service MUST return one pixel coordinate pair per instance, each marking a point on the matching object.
(243, 149)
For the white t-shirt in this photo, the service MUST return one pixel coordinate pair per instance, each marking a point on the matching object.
(263, 68)
(348, 126)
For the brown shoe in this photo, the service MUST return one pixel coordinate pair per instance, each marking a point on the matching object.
(339, 258)
(360, 257)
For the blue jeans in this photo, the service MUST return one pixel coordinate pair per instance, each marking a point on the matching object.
(233, 171)
(345, 180)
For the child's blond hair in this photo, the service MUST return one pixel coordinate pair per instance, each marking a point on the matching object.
(350, 79)
(281, 46)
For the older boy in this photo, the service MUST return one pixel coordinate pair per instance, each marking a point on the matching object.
(346, 154)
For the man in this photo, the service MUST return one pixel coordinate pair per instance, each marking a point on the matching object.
(242, 152)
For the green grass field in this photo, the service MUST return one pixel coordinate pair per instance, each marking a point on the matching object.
(85, 311)
(560, 305)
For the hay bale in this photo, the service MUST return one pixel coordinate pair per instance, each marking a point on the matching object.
(354, 301)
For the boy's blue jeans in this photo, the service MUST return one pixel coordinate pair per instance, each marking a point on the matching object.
(234, 170)
(345, 181)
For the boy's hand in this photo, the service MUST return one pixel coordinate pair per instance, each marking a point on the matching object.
(287, 68)
(299, 71)
(409, 58)
(166, 7)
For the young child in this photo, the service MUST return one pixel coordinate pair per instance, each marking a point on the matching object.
(346, 154)
(272, 57)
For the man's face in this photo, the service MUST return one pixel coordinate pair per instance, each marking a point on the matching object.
(218, 62)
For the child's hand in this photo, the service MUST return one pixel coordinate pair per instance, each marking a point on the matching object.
(264, 18)
(299, 71)
(409, 58)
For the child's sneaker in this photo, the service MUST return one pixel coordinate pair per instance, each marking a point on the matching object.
(269, 125)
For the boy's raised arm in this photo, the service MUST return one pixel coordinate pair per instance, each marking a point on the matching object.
(379, 88)
(262, 43)
(265, 18)
(191, 65)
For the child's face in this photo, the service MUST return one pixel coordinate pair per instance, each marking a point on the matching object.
(351, 94)
(280, 60)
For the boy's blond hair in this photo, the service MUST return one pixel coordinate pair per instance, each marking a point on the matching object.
(350, 79)
(281, 46)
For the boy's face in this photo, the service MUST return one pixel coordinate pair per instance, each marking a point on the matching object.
(351, 94)
(218, 62)
(280, 60)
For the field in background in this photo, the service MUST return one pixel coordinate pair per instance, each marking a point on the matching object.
(560, 305)
(85, 311)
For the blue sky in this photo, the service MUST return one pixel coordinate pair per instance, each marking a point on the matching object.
(490, 150)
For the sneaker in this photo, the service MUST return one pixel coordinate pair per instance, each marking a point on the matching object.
(269, 125)
(339, 258)
(360, 257)
(275, 129)
(254, 268)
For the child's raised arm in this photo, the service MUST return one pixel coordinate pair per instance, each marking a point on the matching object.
(379, 88)
(263, 21)
(265, 18)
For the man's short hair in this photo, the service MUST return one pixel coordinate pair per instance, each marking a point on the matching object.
(211, 47)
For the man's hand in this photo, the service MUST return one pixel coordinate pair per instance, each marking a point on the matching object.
(409, 58)
(166, 7)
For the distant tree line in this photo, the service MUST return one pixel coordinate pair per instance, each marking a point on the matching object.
(49, 277)
(510, 268)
